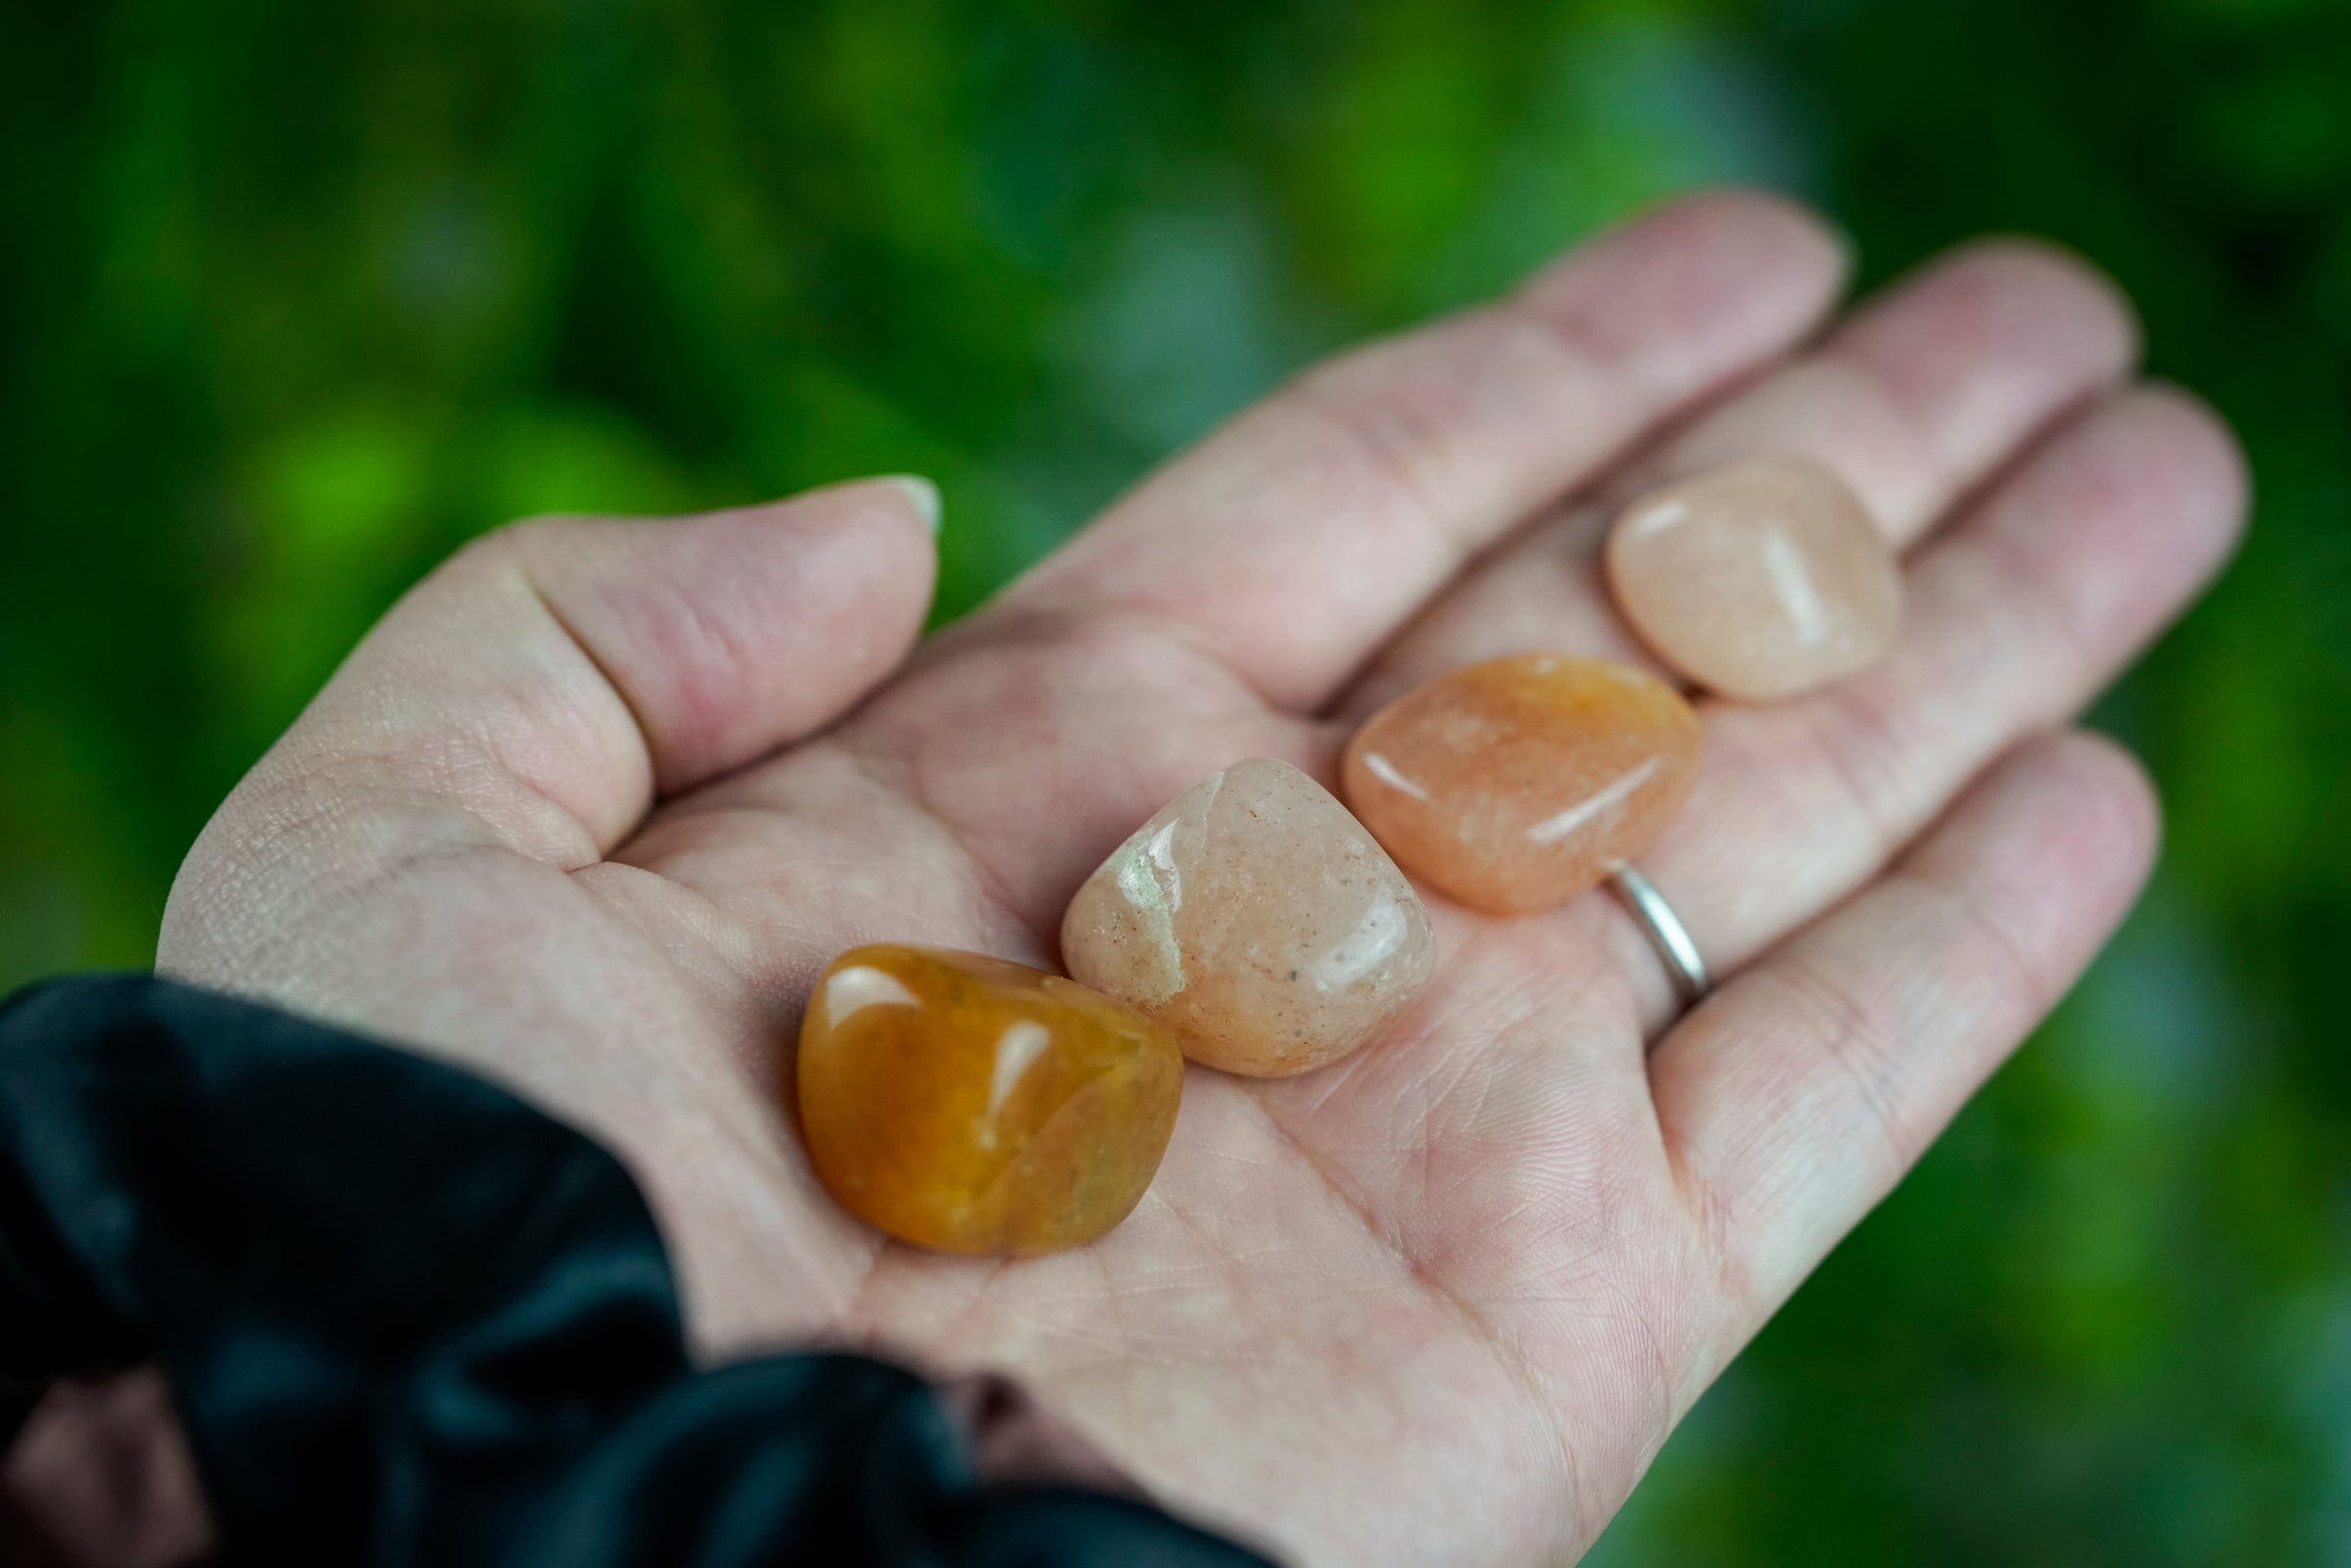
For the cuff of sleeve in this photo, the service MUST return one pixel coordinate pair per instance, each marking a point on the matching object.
(408, 1319)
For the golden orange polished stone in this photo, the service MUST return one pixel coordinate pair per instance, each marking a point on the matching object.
(1516, 784)
(1761, 582)
(964, 1102)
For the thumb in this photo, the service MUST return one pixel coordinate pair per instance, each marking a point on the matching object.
(557, 674)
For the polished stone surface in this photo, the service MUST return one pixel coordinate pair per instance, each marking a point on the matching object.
(1257, 919)
(1518, 784)
(960, 1102)
(1761, 582)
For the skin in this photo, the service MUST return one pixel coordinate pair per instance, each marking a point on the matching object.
(593, 803)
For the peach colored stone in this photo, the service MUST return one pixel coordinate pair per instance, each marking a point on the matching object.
(964, 1102)
(1762, 580)
(1518, 784)
(1258, 919)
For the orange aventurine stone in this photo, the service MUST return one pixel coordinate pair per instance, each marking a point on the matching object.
(964, 1102)
(1518, 784)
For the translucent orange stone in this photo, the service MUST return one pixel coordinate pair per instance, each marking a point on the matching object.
(964, 1102)
(1518, 784)
(1761, 582)
(1258, 919)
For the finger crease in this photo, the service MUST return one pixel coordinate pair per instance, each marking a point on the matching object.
(1849, 1037)
(636, 724)
(992, 885)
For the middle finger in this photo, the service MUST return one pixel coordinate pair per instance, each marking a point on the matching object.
(1913, 402)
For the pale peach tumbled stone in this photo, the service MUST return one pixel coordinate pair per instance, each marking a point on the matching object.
(1255, 917)
(1520, 782)
(1762, 580)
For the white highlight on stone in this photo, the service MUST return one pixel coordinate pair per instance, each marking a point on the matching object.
(1386, 773)
(1016, 1050)
(1551, 830)
(1386, 927)
(849, 990)
(1792, 581)
(1650, 519)
(1154, 888)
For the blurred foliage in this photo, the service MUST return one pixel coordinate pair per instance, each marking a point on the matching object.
(294, 297)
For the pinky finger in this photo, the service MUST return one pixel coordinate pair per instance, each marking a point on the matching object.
(1800, 1093)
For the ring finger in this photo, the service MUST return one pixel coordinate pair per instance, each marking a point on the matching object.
(1915, 402)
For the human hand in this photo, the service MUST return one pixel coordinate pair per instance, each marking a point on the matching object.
(593, 805)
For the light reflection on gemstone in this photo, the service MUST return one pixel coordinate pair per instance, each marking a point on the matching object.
(1792, 581)
(1387, 926)
(1017, 1048)
(1386, 773)
(1153, 888)
(1611, 798)
(847, 990)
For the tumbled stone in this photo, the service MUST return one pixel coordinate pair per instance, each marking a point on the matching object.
(1761, 582)
(1257, 919)
(976, 1105)
(1518, 784)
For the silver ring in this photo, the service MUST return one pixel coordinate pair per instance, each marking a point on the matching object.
(1664, 931)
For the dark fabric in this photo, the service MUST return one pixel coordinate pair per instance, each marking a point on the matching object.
(414, 1323)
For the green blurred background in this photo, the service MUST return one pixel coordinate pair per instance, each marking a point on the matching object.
(296, 296)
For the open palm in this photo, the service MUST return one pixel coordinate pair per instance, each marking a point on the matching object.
(596, 802)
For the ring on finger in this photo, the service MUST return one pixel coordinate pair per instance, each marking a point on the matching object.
(1665, 932)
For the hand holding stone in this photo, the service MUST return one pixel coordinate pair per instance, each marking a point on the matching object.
(594, 808)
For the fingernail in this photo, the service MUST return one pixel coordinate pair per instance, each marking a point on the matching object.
(923, 494)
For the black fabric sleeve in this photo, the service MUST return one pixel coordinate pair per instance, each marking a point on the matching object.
(413, 1322)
